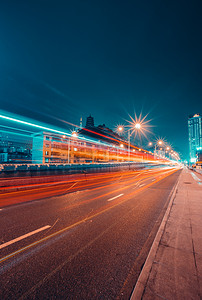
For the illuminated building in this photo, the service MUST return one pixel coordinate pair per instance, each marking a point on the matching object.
(14, 148)
(199, 157)
(195, 136)
(55, 148)
(51, 148)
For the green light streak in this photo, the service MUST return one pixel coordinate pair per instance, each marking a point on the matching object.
(31, 132)
(33, 125)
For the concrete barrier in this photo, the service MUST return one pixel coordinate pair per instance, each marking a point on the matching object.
(7, 168)
(22, 167)
(33, 167)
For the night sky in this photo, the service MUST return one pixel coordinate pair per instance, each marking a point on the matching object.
(60, 60)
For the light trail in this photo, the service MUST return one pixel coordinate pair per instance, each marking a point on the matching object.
(33, 125)
(102, 179)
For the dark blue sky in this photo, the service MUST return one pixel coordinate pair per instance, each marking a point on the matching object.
(67, 59)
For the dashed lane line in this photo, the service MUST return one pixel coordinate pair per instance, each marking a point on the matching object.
(115, 197)
(23, 236)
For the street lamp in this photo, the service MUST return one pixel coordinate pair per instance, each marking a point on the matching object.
(74, 134)
(120, 128)
(159, 142)
(136, 126)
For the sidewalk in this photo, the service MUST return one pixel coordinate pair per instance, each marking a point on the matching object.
(173, 269)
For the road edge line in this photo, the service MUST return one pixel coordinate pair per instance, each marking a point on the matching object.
(141, 283)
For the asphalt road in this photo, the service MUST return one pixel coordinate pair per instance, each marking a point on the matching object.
(81, 239)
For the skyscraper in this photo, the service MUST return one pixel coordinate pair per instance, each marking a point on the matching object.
(195, 135)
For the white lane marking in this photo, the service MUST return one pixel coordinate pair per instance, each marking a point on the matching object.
(24, 236)
(195, 177)
(141, 185)
(115, 197)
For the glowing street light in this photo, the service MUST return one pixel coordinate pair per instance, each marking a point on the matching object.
(137, 126)
(120, 128)
(159, 143)
(74, 134)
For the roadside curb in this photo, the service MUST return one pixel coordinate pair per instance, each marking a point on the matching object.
(144, 275)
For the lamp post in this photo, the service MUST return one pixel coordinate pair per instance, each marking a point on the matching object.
(74, 134)
(158, 143)
(136, 126)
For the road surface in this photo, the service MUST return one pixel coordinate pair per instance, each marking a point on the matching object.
(82, 239)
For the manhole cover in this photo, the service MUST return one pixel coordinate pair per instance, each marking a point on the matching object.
(187, 182)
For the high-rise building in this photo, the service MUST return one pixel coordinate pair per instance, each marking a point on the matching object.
(195, 136)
